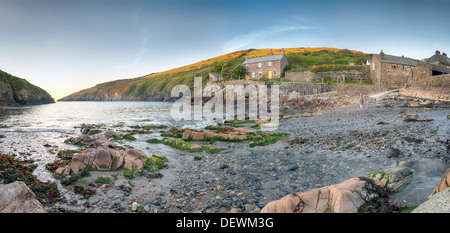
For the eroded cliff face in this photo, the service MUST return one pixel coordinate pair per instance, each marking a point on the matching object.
(15, 91)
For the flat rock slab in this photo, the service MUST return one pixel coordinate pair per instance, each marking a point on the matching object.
(16, 197)
(439, 203)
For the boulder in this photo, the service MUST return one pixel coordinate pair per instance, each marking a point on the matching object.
(345, 197)
(438, 203)
(443, 184)
(16, 197)
(102, 155)
(394, 179)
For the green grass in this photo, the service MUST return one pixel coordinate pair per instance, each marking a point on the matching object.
(179, 144)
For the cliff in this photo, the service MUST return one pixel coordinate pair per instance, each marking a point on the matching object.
(15, 91)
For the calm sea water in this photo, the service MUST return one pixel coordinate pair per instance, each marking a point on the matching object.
(67, 115)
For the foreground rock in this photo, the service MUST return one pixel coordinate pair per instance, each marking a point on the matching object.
(351, 196)
(345, 197)
(16, 197)
(438, 203)
(102, 155)
(443, 184)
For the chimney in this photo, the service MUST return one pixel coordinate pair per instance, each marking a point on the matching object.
(381, 55)
(271, 54)
(282, 51)
(246, 57)
(437, 52)
(444, 54)
(403, 56)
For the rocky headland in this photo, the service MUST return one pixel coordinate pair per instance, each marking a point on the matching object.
(15, 91)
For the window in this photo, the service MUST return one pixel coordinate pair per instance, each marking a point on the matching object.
(253, 74)
(259, 74)
(394, 66)
(246, 67)
(404, 68)
(269, 63)
(259, 65)
(373, 66)
(274, 72)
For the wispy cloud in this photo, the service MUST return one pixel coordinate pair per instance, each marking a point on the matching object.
(244, 40)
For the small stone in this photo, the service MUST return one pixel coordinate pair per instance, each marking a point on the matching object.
(134, 206)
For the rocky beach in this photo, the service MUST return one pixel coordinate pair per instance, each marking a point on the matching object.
(232, 166)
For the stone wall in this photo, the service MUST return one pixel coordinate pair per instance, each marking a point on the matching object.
(296, 89)
(422, 77)
(305, 76)
(355, 75)
(440, 81)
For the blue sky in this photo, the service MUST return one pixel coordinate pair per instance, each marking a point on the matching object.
(65, 46)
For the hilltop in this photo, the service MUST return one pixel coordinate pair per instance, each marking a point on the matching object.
(16, 91)
(157, 86)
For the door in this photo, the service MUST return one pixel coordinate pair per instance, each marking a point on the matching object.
(270, 74)
(246, 76)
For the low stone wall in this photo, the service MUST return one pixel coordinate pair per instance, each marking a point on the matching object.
(356, 75)
(306, 76)
(434, 93)
(440, 81)
(287, 89)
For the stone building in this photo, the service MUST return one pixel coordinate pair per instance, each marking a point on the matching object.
(432, 72)
(265, 67)
(387, 71)
(213, 77)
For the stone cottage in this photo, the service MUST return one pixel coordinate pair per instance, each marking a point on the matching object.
(265, 67)
(213, 77)
(432, 72)
(389, 71)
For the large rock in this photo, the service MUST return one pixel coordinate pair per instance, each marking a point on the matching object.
(102, 155)
(345, 197)
(18, 198)
(443, 184)
(394, 179)
(438, 203)
(235, 134)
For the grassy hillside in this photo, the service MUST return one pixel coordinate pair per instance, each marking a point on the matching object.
(159, 85)
(18, 91)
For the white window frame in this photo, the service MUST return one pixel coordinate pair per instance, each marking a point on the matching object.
(269, 63)
(253, 74)
(259, 74)
(259, 65)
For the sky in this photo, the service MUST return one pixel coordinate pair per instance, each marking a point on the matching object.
(65, 46)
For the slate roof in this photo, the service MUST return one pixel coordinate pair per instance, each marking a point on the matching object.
(215, 75)
(441, 69)
(264, 59)
(397, 60)
(439, 58)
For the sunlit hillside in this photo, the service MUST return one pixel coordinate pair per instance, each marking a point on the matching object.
(158, 86)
